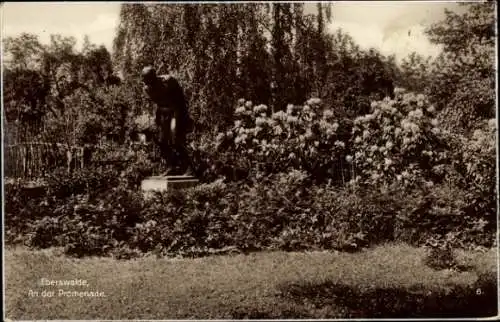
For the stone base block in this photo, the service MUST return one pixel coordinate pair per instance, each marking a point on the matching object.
(161, 183)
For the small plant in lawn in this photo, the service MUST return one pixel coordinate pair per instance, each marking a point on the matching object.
(441, 254)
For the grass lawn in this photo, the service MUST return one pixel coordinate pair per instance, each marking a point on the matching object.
(386, 281)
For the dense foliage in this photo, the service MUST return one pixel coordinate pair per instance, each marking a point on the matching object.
(307, 138)
(272, 54)
(280, 212)
(359, 163)
(461, 80)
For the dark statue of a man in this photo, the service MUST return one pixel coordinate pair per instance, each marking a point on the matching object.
(172, 120)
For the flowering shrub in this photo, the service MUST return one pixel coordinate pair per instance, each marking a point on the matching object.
(307, 138)
(399, 141)
(211, 161)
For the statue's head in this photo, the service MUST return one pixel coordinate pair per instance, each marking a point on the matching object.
(148, 75)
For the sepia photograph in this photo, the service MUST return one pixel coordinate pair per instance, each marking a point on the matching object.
(249, 160)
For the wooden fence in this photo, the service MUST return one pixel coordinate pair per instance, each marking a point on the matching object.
(35, 159)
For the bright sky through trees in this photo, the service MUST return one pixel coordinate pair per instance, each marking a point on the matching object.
(393, 28)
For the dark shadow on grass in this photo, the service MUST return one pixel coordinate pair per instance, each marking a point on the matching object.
(286, 311)
(478, 300)
(251, 314)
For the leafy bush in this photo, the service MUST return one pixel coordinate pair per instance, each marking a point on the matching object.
(442, 214)
(101, 225)
(99, 211)
(24, 205)
(441, 254)
(479, 157)
(212, 162)
(87, 226)
(195, 221)
(94, 114)
(92, 181)
(284, 211)
(28, 206)
(286, 199)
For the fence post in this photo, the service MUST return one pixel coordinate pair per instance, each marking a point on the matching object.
(81, 157)
(69, 159)
(24, 152)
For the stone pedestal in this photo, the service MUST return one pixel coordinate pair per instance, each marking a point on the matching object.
(164, 183)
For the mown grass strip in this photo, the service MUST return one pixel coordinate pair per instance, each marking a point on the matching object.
(385, 281)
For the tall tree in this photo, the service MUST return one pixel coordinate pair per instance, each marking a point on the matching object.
(253, 59)
(222, 52)
(415, 73)
(200, 44)
(463, 76)
(38, 78)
